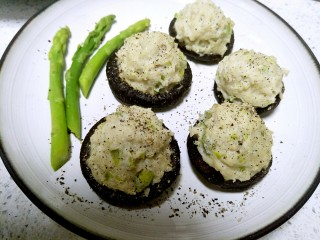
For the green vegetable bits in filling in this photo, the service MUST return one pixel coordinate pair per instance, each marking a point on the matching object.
(130, 150)
(151, 62)
(234, 140)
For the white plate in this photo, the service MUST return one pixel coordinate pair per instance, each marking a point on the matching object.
(191, 209)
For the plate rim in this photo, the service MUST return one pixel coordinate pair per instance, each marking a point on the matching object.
(59, 219)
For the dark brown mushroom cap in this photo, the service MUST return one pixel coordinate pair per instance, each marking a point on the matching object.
(207, 58)
(120, 198)
(260, 110)
(213, 176)
(128, 95)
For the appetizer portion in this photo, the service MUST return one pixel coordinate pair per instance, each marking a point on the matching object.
(252, 77)
(230, 146)
(149, 70)
(129, 157)
(203, 32)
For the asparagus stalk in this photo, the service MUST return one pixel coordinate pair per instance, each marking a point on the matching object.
(79, 58)
(60, 140)
(94, 65)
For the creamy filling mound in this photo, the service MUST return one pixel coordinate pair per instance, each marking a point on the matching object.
(251, 77)
(204, 28)
(151, 62)
(234, 140)
(130, 150)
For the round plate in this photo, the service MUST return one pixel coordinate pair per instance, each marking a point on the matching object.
(191, 209)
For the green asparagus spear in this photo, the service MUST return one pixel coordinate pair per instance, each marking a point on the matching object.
(94, 65)
(79, 58)
(60, 139)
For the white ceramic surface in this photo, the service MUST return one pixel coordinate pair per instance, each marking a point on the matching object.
(192, 209)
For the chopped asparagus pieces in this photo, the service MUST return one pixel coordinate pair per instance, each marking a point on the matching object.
(60, 139)
(95, 64)
(79, 58)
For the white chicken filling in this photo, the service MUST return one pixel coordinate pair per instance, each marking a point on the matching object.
(151, 62)
(130, 150)
(203, 28)
(251, 77)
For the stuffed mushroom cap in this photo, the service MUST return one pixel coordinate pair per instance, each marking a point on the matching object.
(149, 70)
(231, 142)
(203, 32)
(129, 157)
